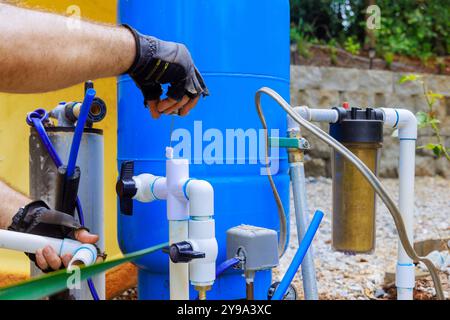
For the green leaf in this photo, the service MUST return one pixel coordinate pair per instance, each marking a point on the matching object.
(409, 77)
(429, 146)
(54, 282)
(433, 97)
(422, 119)
(438, 150)
(434, 121)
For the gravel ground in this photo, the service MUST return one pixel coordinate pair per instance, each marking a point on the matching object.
(342, 276)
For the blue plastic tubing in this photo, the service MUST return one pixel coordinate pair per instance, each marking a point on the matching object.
(37, 123)
(36, 118)
(227, 264)
(76, 140)
(298, 258)
(224, 266)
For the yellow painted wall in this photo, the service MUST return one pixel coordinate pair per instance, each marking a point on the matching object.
(14, 132)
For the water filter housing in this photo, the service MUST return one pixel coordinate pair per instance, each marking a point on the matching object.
(353, 226)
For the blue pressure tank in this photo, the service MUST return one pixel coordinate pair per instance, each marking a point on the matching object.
(238, 46)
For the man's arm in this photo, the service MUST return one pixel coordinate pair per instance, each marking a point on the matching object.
(41, 51)
(10, 202)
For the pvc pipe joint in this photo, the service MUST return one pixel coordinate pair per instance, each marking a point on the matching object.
(150, 188)
(85, 254)
(402, 119)
(202, 272)
(177, 173)
(200, 194)
(190, 207)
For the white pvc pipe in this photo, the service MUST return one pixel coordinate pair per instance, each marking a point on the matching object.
(177, 173)
(178, 272)
(406, 123)
(314, 115)
(405, 277)
(30, 243)
(202, 272)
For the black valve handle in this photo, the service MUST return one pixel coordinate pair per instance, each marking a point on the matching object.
(126, 187)
(182, 252)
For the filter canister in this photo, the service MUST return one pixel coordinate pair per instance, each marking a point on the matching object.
(361, 131)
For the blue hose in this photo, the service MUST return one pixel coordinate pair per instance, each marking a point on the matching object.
(84, 112)
(227, 264)
(224, 266)
(35, 119)
(298, 258)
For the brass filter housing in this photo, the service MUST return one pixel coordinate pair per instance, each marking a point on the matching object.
(354, 201)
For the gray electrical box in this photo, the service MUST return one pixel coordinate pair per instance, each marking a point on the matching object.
(258, 246)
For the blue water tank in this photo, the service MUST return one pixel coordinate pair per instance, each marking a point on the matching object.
(238, 46)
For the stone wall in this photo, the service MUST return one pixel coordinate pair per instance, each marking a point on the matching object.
(325, 87)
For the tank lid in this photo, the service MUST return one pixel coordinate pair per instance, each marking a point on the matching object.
(358, 125)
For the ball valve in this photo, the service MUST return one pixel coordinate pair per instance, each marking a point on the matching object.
(190, 209)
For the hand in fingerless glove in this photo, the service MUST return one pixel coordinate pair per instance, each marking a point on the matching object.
(37, 218)
(159, 62)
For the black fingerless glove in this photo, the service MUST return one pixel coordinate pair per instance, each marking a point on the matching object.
(37, 218)
(159, 62)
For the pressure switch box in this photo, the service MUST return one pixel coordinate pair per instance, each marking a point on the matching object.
(257, 247)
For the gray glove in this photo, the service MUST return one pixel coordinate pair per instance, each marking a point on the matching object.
(159, 62)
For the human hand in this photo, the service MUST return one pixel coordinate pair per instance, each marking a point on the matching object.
(47, 258)
(161, 62)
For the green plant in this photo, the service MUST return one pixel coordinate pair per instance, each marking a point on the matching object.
(352, 46)
(389, 58)
(429, 118)
(416, 28)
(441, 64)
(303, 43)
(333, 55)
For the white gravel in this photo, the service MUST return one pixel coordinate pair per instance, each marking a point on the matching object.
(362, 276)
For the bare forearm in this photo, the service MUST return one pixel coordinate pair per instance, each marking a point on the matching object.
(10, 202)
(42, 51)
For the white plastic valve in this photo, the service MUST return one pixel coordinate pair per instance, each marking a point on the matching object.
(202, 272)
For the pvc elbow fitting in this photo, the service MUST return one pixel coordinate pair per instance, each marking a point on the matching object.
(200, 194)
(86, 254)
(402, 119)
(302, 111)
